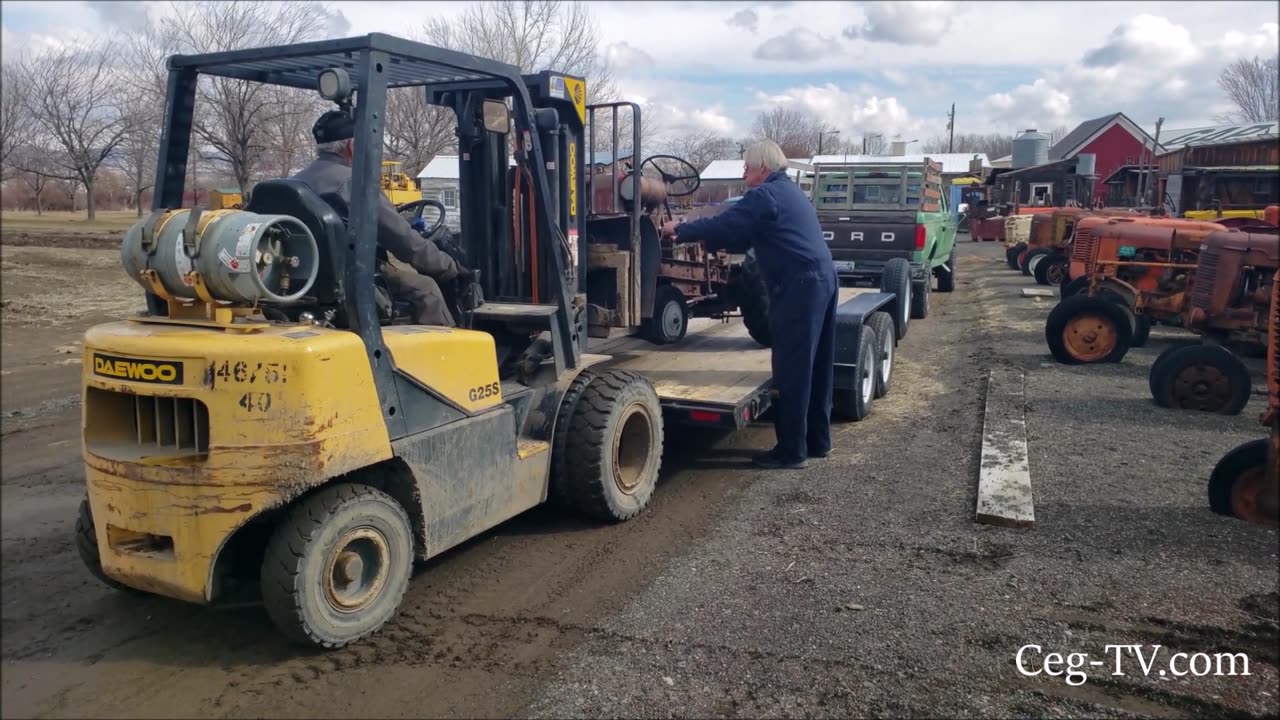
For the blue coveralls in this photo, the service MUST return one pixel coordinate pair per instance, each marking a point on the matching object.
(778, 220)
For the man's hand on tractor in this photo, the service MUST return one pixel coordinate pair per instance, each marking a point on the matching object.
(669, 228)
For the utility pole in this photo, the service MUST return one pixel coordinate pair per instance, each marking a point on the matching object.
(1143, 176)
(1155, 165)
(951, 127)
(823, 133)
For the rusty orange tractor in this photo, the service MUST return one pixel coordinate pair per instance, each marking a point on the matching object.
(1043, 257)
(1230, 301)
(1245, 484)
(1128, 274)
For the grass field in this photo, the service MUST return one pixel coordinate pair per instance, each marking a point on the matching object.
(67, 222)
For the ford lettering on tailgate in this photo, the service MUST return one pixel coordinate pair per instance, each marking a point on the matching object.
(162, 372)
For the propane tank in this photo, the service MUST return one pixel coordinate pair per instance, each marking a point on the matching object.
(242, 257)
(652, 190)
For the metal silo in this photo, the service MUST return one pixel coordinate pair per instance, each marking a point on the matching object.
(1031, 148)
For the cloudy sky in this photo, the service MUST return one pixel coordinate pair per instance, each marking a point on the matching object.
(889, 67)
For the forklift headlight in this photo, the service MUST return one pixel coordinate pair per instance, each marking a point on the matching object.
(497, 118)
(335, 84)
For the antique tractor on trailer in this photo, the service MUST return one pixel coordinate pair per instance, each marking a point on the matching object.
(637, 280)
(1245, 483)
(1230, 300)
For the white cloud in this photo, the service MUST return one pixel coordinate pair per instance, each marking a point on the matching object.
(904, 23)
(1038, 105)
(1262, 42)
(1145, 39)
(625, 56)
(745, 18)
(853, 112)
(797, 44)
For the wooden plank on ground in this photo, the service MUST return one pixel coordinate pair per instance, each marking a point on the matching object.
(1038, 292)
(1004, 476)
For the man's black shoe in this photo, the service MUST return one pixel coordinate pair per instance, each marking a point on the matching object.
(769, 461)
(817, 455)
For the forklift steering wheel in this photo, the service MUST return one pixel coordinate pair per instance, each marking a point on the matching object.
(416, 206)
(678, 185)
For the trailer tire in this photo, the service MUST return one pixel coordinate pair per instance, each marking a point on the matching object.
(337, 530)
(886, 341)
(920, 299)
(1049, 270)
(1084, 330)
(855, 403)
(753, 300)
(1208, 378)
(1237, 480)
(558, 492)
(896, 279)
(614, 449)
(947, 273)
(87, 545)
(1025, 263)
(670, 319)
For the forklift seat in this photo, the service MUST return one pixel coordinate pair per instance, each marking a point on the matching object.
(326, 222)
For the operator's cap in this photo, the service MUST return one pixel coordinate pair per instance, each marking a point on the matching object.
(333, 126)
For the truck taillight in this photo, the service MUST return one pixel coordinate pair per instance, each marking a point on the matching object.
(919, 237)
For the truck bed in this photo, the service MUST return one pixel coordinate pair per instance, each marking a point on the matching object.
(716, 375)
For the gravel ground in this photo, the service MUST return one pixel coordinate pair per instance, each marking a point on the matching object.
(863, 587)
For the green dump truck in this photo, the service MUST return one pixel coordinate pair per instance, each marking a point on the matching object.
(876, 215)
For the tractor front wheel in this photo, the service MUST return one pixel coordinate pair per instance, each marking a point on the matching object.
(1049, 270)
(1208, 378)
(670, 319)
(1238, 486)
(1083, 330)
(1012, 253)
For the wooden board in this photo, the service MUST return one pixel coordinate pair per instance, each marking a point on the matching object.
(1004, 477)
(717, 362)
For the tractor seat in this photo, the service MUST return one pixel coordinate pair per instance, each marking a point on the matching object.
(295, 198)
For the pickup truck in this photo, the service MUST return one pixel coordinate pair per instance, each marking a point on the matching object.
(872, 213)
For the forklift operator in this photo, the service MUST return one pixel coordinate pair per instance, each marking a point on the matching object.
(777, 219)
(330, 172)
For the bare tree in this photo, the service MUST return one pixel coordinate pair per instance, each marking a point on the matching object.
(417, 132)
(795, 131)
(233, 116)
(700, 148)
(16, 121)
(994, 145)
(288, 130)
(1056, 134)
(73, 95)
(1253, 86)
(871, 144)
(32, 166)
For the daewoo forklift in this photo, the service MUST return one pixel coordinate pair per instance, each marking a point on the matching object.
(271, 421)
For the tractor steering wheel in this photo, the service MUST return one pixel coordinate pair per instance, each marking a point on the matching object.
(417, 206)
(678, 184)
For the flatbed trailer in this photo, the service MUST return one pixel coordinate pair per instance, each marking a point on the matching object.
(719, 377)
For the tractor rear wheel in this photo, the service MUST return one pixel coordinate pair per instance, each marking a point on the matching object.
(336, 568)
(855, 403)
(87, 545)
(753, 300)
(614, 448)
(1238, 485)
(1208, 378)
(1084, 330)
(886, 340)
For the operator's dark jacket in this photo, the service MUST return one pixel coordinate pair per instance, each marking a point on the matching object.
(329, 173)
(779, 222)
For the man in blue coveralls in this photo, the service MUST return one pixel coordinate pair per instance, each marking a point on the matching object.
(777, 219)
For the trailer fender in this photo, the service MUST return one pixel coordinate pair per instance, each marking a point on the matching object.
(851, 320)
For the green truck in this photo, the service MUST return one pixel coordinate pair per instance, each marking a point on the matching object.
(889, 223)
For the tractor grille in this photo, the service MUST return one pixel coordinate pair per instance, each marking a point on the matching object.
(1084, 248)
(1202, 286)
(122, 422)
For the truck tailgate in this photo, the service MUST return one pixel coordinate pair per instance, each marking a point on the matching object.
(878, 235)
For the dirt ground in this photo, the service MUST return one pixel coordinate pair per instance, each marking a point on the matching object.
(860, 586)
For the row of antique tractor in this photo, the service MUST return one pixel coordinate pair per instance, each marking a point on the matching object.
(1120, 273)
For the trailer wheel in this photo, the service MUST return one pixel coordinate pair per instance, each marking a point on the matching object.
(558, 492)
(855, 403)
(336, 568)
(886, 340)
(1049, 269)
(87, 545)
(1084, 330)
(896, 279)
(614, 449)
(920, 299)
(753, 300)
(947, 274)
(1238, 485)
(670, 319)
(1208, 378)
(1025, 264)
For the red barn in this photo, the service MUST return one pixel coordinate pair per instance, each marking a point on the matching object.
(1114, 140)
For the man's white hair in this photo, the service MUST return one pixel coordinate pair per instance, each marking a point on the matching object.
(765, 154)
(332, 147)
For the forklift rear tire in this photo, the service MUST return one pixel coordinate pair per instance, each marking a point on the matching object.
(896, 279)
(753, 300)
(1083, 330)
(670, 319)
(614, 449)
(1237, 481)
(87, 546)
(947, 274)
(337, 566)
(882, 324)
(855, 403)
(1209, 378)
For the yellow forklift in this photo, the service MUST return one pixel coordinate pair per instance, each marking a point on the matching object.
(271, 425)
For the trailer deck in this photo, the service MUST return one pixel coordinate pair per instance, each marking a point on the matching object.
(715, 376)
